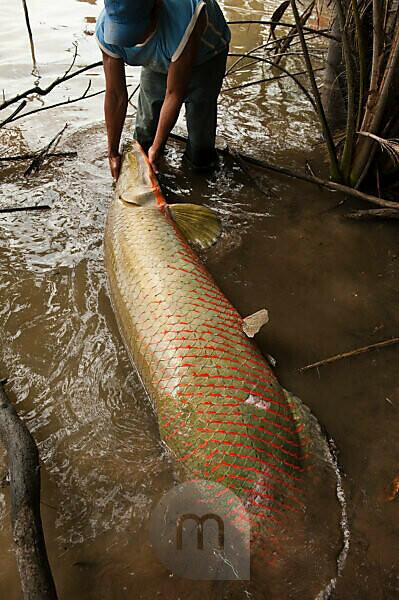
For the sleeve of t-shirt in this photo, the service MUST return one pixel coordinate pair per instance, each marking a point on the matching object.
(196, 8)
(177, 21)
(110, 49)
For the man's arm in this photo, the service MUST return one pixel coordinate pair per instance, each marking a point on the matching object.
(178, 78)
(115, 106)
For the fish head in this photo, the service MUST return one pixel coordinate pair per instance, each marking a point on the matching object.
(137, 183)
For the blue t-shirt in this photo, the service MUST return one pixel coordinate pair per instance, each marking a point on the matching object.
(176, 21)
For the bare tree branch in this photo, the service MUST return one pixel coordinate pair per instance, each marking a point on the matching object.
(12, 116)
(39, 158)
(14, 209)
(30, 35)
(22, 157)
(84, 96)
(44, 91)
(35, 574)
(321, 32)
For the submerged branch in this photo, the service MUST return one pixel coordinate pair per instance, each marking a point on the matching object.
(42, 154)
(357, 352)
(22, 157)
(329, 185)
(15, 209)
(374, 213)
(34, 569)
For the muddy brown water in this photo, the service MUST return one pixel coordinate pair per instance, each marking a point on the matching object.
(329, 285)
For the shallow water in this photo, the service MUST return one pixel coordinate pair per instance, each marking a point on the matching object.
(329, 285)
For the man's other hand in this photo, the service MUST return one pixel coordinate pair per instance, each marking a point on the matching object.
(115, 165)
(154, 156)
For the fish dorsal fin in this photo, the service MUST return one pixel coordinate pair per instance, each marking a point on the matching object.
(198, 224)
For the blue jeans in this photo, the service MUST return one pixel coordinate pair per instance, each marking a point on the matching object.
(200, 103)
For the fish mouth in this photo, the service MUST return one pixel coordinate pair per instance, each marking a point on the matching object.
(137, 183)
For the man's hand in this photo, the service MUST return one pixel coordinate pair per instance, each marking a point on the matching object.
(153, 156)
(115, 105)
(115, 165)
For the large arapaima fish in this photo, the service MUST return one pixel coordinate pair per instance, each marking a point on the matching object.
(220, 408)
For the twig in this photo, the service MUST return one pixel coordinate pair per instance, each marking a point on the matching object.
(12, 116)
(330, 185)
(379, 213)
(136, 89)
(32, 46)
(25, 208)
(38, 160)
(22, 157)
(266, 80)
(245, 170)
(356, 352)
(321, 32)
(44, 91)
(269, 45)
(291, 76)
(65, 102)
(34, 570)
(285, 44)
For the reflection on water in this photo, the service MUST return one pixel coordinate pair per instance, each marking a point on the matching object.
(329, 285)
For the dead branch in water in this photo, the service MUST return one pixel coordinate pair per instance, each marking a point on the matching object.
(15, 209)
(379, 213)
(332, 359)
(84, 96)
(246, 172)
(14, 114)
(37, 90)
(267, 79)
(37, 162)
(30, 35)
(260, 81)
(329, 185)
(292, 76)
(22, 157)
(35, 574)
(321, 32)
